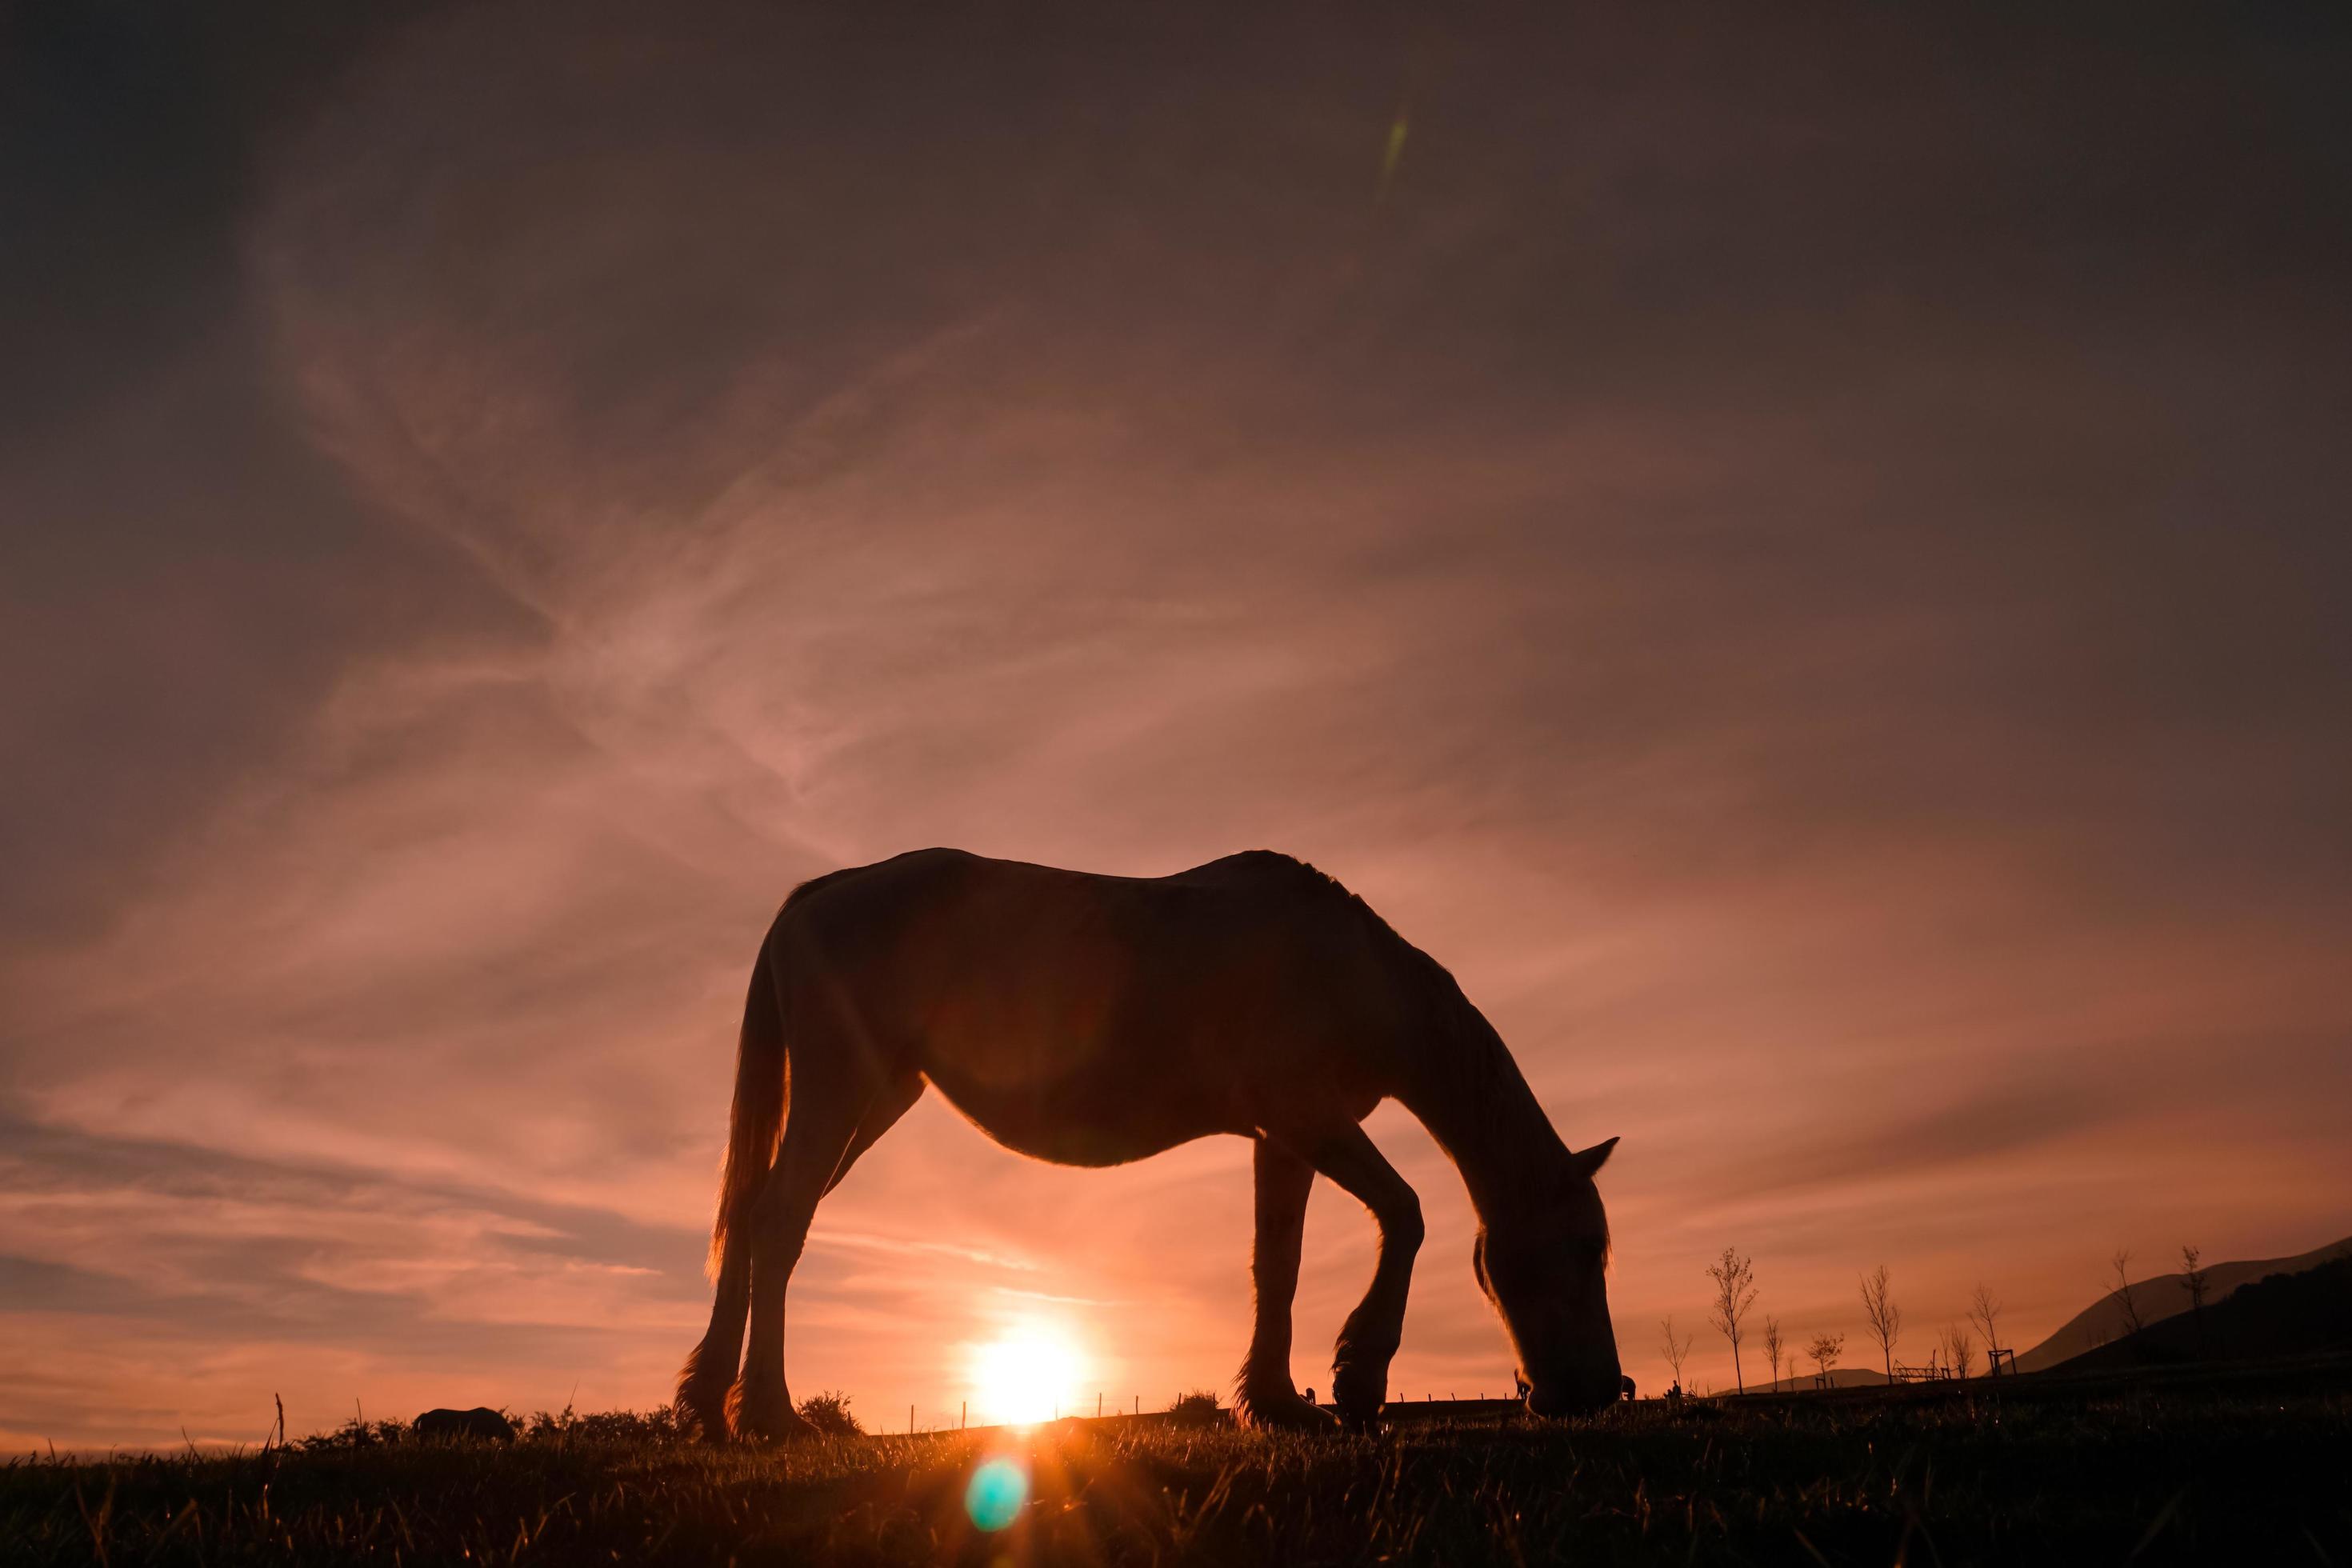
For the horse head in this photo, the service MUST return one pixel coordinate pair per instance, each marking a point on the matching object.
(1545, 1267)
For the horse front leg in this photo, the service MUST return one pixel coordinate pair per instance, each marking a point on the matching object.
(1265, 1395)
(1369, 1339)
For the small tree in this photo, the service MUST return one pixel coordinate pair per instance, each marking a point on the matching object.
(2121, 1263)
(1885, 1318)
(1677, 1349)
(1772, 1347)
(1825, 1350)
(2193, 1279)
(1735, 1292)
(1960, 1350)
(1985, 1313)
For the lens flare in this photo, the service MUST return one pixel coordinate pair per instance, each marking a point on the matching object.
(998, 1490)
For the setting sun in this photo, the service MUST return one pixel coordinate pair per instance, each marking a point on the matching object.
(1030, 1373)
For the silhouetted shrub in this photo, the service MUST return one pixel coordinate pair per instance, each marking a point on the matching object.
(543, 1428)
(829, 1414)
(658, 1426)
(1197, 1408)
(355, 1433)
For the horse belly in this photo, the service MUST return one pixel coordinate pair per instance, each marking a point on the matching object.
(1077, 1104)
(1085, 1118)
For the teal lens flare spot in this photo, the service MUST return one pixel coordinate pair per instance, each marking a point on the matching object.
(998, 1490)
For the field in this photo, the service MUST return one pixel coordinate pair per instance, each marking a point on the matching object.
(2246, 1467)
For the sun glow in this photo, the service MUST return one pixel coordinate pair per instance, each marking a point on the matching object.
(1032, 1373)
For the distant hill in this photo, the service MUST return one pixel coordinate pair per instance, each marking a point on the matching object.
(2158, 1297)
(2295, 1314)
(1800, 1383)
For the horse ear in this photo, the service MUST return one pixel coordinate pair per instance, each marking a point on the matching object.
(1592, 1158)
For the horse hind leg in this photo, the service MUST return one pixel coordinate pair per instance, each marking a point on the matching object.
(705, 1381)
(1263, 1394)
(894, 1100)
(710, 1370)
(828, 1110)
(753, 1121)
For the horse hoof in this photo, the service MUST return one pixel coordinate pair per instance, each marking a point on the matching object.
(697, 1424)
(790, 1429)
(1358, 1392)
(702, 1412)
(1278, 1413)
(764, 1413)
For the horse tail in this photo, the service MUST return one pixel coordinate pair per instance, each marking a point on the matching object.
(756, 1119)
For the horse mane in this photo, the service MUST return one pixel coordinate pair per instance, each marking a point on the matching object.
(1484, 1069)
(1447, 1011)
(814, 883)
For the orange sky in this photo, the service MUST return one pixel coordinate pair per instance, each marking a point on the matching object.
(1806, 568)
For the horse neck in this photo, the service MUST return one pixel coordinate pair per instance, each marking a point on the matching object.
(1473, 1098)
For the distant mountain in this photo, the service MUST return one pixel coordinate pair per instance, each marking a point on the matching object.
(2297, 1314)
(2159, 1297)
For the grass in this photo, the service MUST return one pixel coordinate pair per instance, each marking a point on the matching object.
(2191, 1472)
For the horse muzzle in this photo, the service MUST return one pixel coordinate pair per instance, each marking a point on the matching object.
(1575, 1396)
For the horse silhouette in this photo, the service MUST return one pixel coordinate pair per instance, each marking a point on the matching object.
(480, 1422)
(1095, 1020)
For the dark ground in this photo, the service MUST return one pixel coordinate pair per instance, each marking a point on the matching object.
(2244, 1464)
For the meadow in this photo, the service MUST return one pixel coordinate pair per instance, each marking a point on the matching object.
(2243, 1468)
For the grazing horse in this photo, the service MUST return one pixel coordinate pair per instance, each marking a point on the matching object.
(1092, 1020)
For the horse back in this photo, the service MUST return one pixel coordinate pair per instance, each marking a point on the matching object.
(1039, 997)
